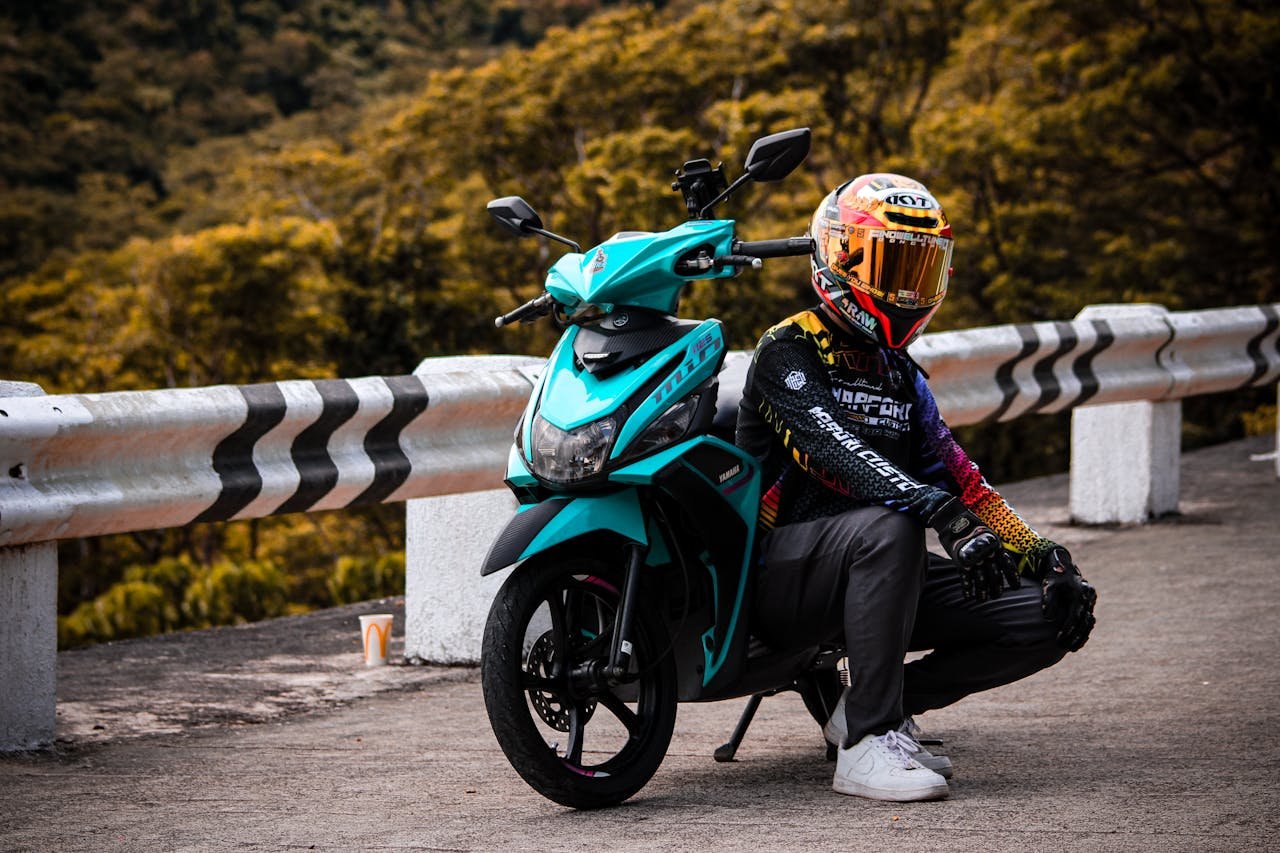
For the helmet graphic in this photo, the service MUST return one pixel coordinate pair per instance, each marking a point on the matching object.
(882, 256)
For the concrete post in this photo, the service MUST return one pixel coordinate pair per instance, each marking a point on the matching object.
(28, 628)
(1125, 457)
(446, 602)
(1124, 462)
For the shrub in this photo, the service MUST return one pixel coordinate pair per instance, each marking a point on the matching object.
(230, 593)
(1261, 421)
(362, 578)
(171, 574)
(131, 608)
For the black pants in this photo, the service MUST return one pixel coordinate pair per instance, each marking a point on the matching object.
(864, 577)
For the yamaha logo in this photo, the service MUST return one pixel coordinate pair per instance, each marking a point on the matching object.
(620, 320)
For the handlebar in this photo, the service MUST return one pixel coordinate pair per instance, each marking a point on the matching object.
(745, 254)
(749, 253)
(738, 261)
(535, 307)
(784, 248)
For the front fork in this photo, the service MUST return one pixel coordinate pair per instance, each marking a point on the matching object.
(620, 654)
(606, 675)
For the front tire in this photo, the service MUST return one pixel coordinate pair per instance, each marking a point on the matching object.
(548, 624)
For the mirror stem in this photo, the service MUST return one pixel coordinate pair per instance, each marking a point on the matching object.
(746, 176)
(550, 236)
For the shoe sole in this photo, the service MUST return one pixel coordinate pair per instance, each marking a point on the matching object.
(855, 789)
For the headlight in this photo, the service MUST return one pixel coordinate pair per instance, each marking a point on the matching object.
(670, 426)
(566, 457)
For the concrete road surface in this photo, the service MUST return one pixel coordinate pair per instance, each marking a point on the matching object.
(1163, 733)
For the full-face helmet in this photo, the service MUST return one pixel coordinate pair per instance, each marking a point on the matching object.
(882, 256)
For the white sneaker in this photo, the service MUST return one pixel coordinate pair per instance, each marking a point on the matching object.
(880, 767)
(837, 729)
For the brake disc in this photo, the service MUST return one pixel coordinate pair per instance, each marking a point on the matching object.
(553, 710)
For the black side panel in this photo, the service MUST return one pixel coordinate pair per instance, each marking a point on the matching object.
(519, 532)
(718, 466)
(724, 535)
(625, 337)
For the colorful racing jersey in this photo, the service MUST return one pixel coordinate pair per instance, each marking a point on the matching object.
(839, 422)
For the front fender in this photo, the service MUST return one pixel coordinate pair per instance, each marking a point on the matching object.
(541, 526)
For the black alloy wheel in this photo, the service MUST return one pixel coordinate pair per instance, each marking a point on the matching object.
(571, 736)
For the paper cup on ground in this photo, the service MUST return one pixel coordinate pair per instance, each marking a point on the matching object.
(376, 631)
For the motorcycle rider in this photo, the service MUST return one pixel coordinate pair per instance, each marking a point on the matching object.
(857, 462)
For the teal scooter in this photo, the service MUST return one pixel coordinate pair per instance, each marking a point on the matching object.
(634, 540)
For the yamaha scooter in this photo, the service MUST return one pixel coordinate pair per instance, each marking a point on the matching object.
(634, 543)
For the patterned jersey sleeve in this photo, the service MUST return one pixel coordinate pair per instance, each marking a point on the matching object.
(945, 455)
(795, 399)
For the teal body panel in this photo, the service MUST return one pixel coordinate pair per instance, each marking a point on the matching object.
(526, 421)
(740, 488)
(704, 350)
(701, 473)
(617, 511)
(638, 269)
(620, 511)
(518, 473)
(569, 398)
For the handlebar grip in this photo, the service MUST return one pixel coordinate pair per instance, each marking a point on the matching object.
(739, 261)
(784, 248)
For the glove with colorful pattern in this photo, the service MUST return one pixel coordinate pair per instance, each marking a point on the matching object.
(985, 566)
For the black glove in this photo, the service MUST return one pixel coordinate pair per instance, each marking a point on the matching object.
(1066, 598)
(985, 566)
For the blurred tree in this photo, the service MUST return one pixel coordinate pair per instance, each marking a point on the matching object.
(1085, 151)
(234, 303)
(227, 593)
(128, 609)
(116, 87)
(365, 577)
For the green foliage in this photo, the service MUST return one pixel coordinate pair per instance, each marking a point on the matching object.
(171, 575)
(362, 578)
(239, 191)
(232, 303)
(226, 593)
(1260, 421)
(134, 608)
(96, 97)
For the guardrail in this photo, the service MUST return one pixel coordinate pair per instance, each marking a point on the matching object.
(90, 464)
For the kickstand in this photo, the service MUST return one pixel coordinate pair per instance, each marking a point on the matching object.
(726, 752)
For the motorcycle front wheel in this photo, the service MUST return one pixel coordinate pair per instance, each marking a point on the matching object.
(574, 739)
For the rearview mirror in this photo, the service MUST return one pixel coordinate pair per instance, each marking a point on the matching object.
(773, 157)
(514, 214)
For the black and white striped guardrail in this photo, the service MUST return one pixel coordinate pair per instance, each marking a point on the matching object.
(89, 464)
(1106, 355)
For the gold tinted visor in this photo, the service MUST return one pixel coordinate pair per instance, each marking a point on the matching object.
(908, 269)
